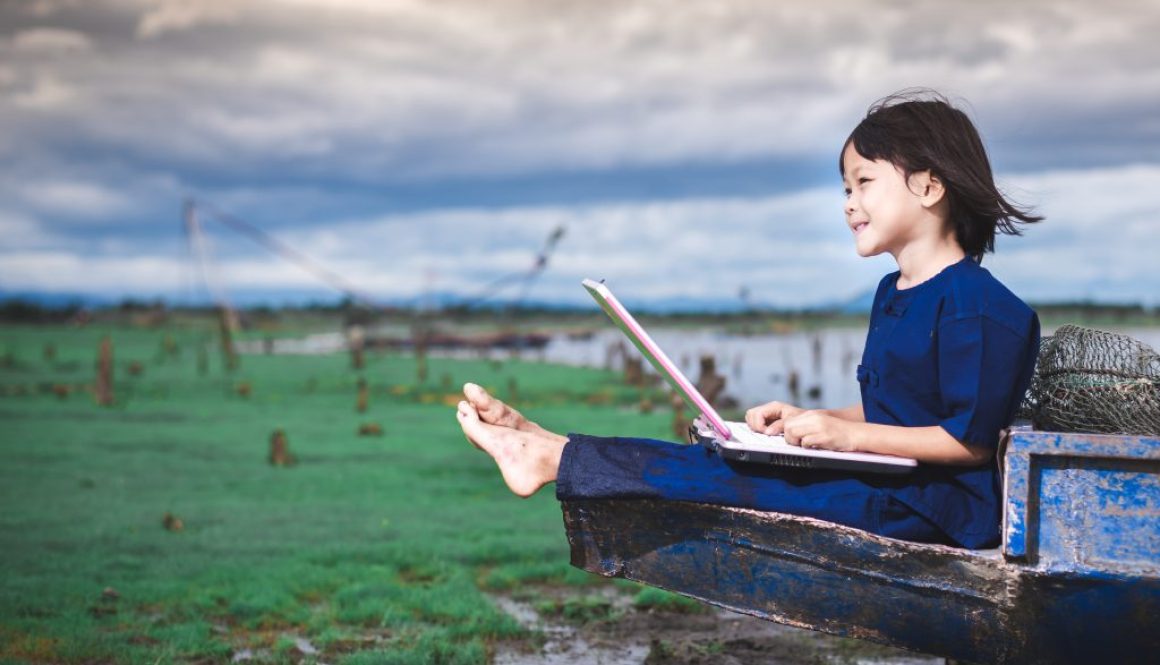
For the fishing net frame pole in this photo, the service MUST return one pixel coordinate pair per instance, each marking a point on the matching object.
(524, 277)
(278, 247)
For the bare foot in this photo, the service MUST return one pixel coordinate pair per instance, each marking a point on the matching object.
(527, 460)
(494, 412)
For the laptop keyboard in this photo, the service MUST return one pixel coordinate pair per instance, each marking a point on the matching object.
(742, 433)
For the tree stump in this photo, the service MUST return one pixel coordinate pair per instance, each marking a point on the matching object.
(172, 522)
(202, 360)
(370, 429)
(363, 396)
(226, 325)
(634, 371)
(681, 423)
(280, 449)
(103, 392)
(421, 358)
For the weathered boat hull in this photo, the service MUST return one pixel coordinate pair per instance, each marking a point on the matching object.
(1033, 602)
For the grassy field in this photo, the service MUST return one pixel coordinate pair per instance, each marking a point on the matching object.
(368, 549)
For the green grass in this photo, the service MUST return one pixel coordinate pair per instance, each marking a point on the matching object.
(373, 549)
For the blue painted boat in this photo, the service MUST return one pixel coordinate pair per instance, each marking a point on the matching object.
(1076, 579)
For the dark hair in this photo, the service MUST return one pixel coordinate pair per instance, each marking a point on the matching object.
(919, 130)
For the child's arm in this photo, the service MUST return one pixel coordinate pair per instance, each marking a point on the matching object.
(852, 413)
(926, 444)
(933, 445)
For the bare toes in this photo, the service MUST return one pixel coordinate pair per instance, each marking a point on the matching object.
(490, 409)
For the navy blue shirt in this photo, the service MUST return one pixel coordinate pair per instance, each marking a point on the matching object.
(956, 351)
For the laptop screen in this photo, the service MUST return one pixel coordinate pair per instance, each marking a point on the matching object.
(656, 357)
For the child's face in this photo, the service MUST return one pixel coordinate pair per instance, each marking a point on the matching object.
(884, 214)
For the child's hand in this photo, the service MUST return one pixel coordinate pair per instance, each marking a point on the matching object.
(818, 429)
(770, 418)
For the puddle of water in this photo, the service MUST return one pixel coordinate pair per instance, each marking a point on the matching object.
(669, 638)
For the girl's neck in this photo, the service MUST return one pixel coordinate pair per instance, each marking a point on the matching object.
(919, 261)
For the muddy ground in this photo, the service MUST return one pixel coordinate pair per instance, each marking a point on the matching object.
(612, 627)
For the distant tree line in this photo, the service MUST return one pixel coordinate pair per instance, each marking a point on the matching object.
(17, 310)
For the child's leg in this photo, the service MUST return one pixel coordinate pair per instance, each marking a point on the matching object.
(623, 468)
(587, 467)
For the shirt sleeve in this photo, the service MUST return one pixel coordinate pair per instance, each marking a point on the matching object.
(981, 366)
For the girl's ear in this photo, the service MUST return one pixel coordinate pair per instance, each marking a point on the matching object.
(928, 187)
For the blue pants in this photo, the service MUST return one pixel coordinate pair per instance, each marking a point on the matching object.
(626, 468)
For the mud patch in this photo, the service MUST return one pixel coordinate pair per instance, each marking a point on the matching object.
(610, 629)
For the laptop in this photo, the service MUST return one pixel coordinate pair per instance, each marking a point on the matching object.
(734, 440)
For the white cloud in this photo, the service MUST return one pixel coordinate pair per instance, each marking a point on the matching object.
(59, 271)
(1098, 241)
(177, 15)
(45, 8)
(24, 233)
(45, 92)
(72, 199)
(50, 40)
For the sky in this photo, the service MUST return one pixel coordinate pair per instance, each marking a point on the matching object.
(688, 149)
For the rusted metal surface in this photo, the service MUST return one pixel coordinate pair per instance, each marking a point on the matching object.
(1071, 586)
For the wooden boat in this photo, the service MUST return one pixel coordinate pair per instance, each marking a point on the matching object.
(1076, 579)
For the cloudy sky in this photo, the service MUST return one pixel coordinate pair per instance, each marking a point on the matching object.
(688, 149)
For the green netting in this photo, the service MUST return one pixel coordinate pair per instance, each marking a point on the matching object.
(1094, 381)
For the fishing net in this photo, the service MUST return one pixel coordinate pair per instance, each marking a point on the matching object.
(1094, 381)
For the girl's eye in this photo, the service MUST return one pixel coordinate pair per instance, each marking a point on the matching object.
(863, 180)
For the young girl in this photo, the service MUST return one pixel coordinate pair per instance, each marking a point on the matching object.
(948, 357)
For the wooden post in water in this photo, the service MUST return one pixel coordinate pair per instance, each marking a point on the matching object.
(104, 388)
(225, 328)
(710, 383)
(356, 340)
(817, 353)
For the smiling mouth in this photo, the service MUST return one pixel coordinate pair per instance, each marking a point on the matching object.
(859, 226)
